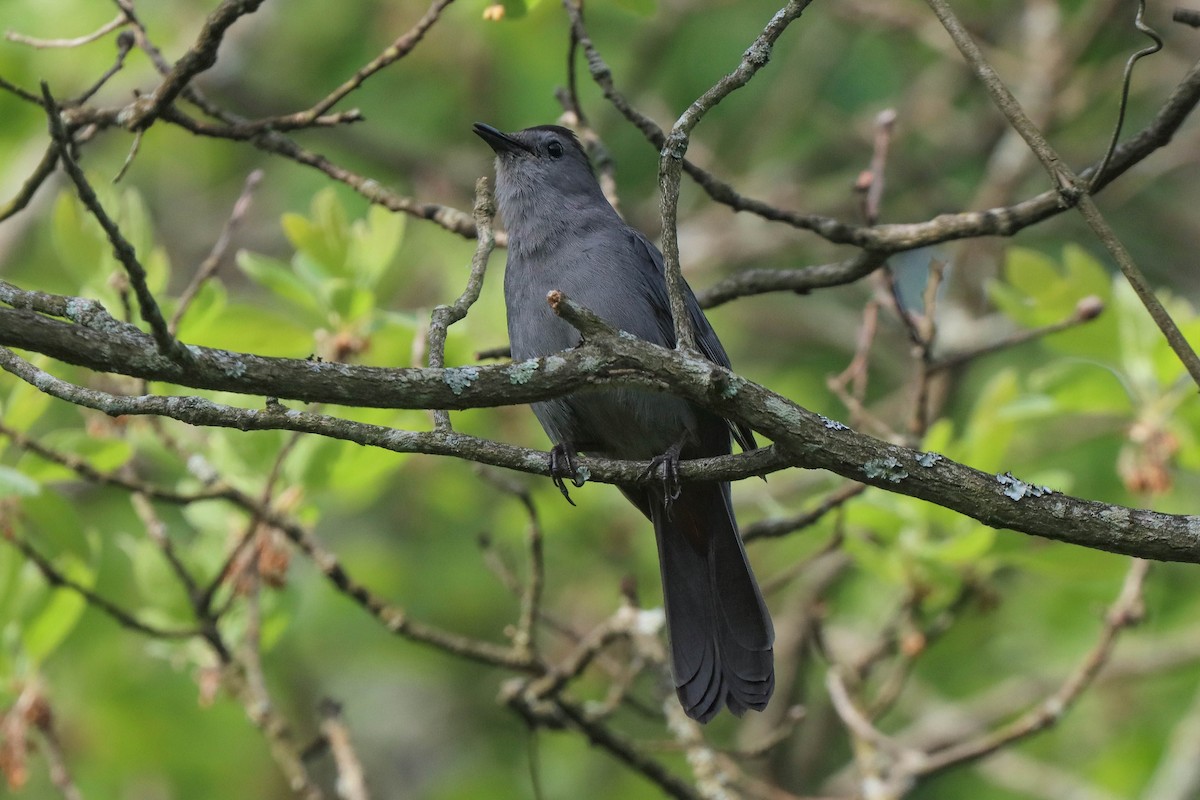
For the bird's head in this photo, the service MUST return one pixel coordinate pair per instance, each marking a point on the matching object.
(541, 169)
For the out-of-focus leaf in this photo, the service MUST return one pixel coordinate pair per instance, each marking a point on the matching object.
(204, 312)
(55, 621)
(25, 404)
(56, 524)
(282, 281)
(325, 236)
(373, 244)
(15, 483)
(102, 453)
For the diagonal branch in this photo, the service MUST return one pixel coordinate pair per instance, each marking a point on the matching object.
(201, 56)
(1072, 188)
(670, 164)
(167, 344)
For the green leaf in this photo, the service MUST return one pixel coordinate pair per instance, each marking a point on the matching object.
(56, 524)
(282, 281)
(204, 312)
(102, 453)
(42, 635)
(25, 404)
(325, 236)
(373, 245)
(16, 483)
(515, 9)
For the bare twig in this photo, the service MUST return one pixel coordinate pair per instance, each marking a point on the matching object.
(41, 172)
(58, 580)
(445, 316)
(782, 526)
(626, 751)
(122, 249)
(1072, 188)
(675, 145)
(201, 56)
(117, 22)
(1155, 45)
(1125, 611)
(124, 45)
(397, 50)
(209, 266)
(351, 783)
(1086, 310)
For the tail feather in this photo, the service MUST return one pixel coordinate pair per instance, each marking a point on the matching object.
(720, 633)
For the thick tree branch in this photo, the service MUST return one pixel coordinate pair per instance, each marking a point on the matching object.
(801, 438)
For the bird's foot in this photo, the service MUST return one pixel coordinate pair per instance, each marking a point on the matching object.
(667, 465)
(564, 463)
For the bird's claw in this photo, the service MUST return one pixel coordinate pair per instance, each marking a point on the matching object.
(564, 464)
(668, 464)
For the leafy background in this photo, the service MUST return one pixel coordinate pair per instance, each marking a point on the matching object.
(1101, 411)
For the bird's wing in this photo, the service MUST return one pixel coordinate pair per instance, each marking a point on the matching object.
(706, 337)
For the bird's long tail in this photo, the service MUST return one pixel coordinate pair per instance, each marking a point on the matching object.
(719, 629)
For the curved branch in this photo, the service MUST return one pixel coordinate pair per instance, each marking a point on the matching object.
(801, 438)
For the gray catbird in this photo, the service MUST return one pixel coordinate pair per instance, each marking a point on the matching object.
(563, 234)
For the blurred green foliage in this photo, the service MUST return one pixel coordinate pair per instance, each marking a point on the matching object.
(1103, 410)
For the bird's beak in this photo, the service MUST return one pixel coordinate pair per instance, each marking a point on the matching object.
(499, 141)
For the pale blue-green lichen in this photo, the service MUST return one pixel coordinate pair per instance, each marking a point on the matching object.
(732, 386)
(887, 469)
(1018, 489)
(520, 373)
(460, 378)
(928, 459)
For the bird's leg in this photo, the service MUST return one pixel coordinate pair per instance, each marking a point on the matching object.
(668, 463)
(564, 464)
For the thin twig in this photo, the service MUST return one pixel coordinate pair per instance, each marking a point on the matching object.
(1125, 611)
(1086, 310)
(782, 526)
(397, 50)
(124, 44)
(122, 249)
(1155, 45)
(1072, 189)
(41, 172)
(58, 580)
(117, 22)
(208, 267)
(351, 783)
(444, 316)
(201, 56)
(675, 145)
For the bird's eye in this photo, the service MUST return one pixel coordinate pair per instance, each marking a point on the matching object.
(554, 149)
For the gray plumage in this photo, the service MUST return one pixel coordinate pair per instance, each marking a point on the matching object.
(564, 234)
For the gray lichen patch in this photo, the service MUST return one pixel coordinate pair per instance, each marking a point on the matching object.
(1018, 489)
(928, 459)
(460, 378)
(519, 374)
(888, 469)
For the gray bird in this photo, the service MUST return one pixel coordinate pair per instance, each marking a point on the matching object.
(563, 234)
